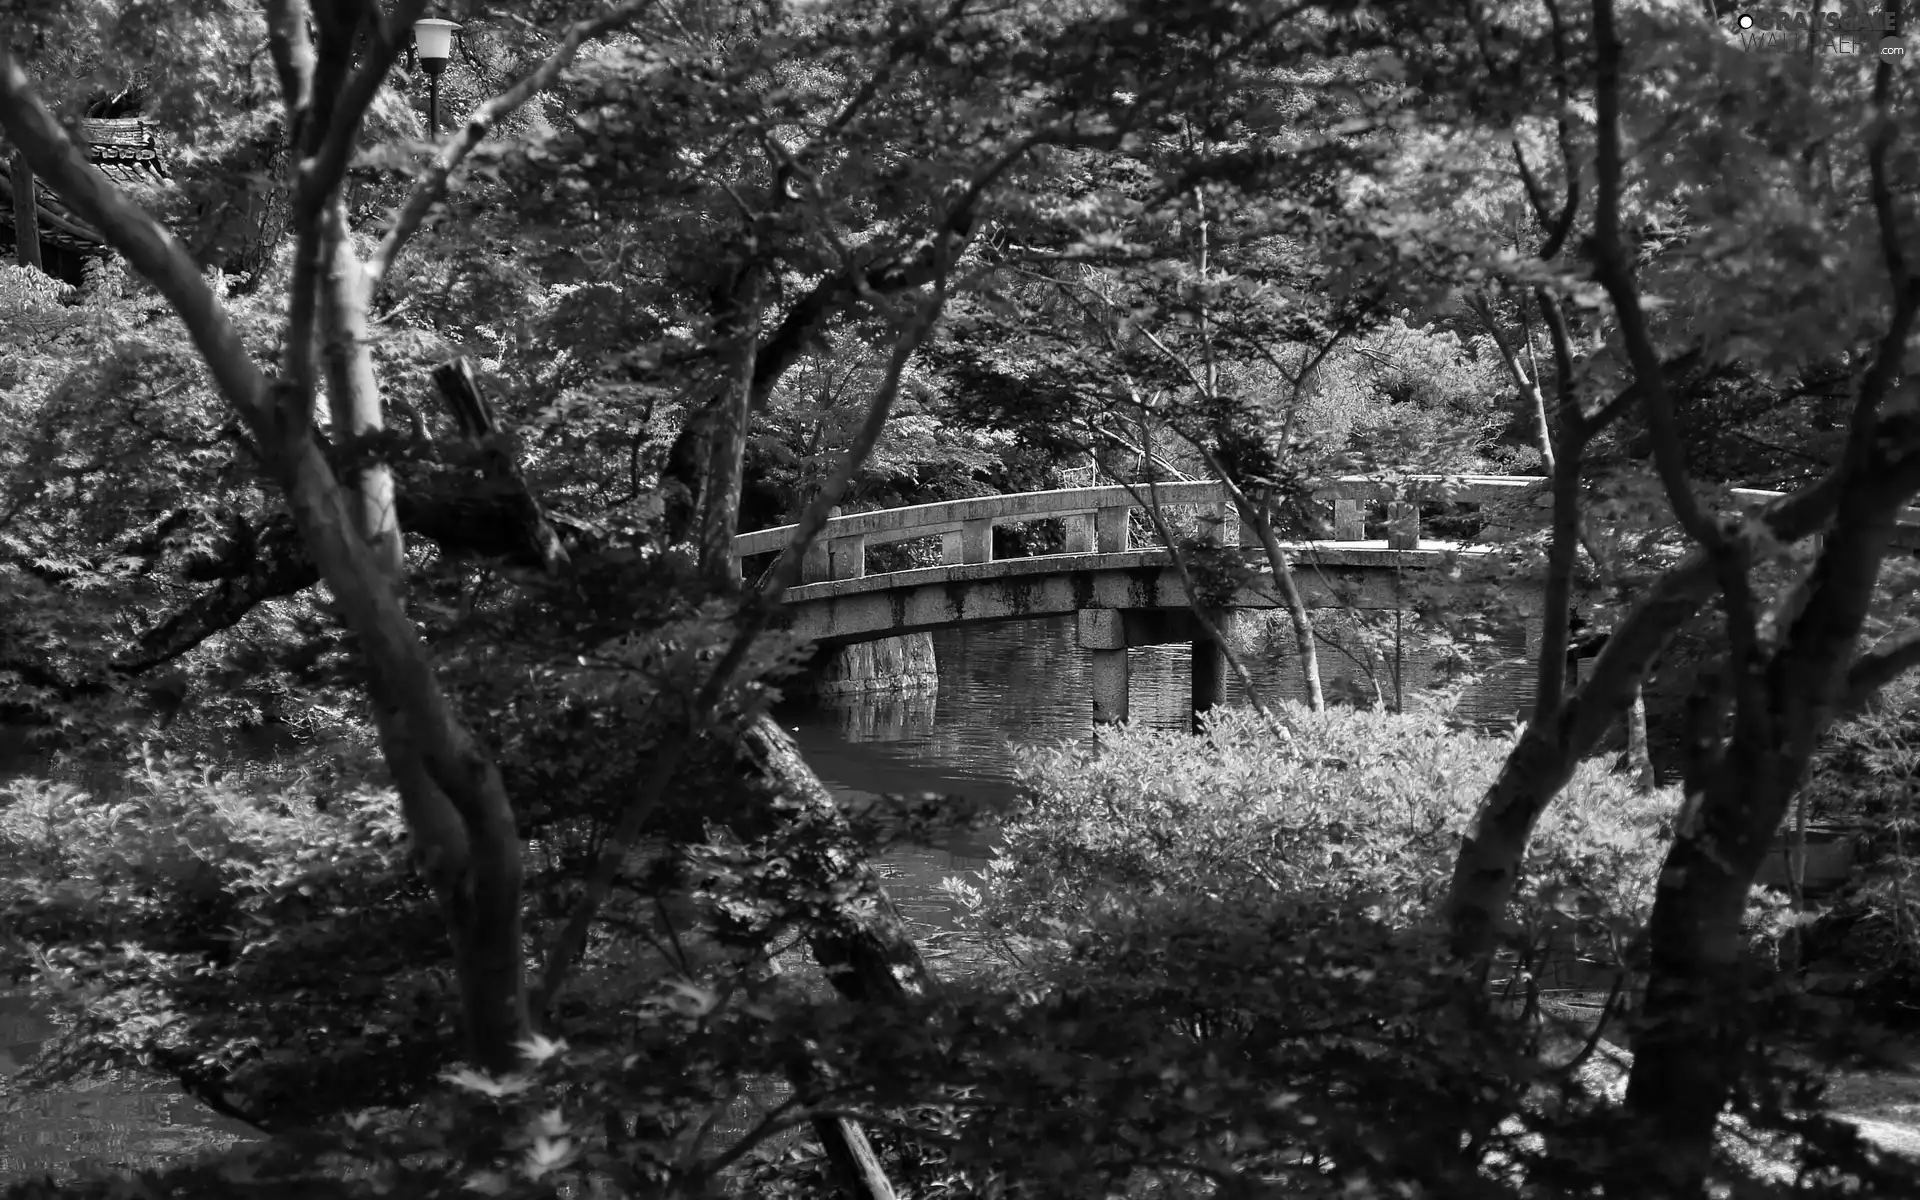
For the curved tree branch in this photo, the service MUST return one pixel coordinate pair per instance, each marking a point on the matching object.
(1889, 660)
(154, 253)
(331, 149)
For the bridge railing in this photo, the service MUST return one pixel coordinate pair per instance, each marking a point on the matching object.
(1099, 519)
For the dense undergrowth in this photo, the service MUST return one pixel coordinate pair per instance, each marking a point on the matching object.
(1205, 968)
(1360, 814)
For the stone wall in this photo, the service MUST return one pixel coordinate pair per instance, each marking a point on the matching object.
(895, 664)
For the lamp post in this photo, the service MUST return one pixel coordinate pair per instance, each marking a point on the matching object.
(433, 41)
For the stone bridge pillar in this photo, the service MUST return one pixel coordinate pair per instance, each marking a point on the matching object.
(1104, 632)
(1107, 633)
(1210, 665)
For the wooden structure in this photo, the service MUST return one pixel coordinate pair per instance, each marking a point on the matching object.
(125, 150)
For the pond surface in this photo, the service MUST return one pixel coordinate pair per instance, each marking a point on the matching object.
(1018, 684)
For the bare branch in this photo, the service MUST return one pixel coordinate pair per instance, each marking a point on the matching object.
(1200, 613)
(1616, 276)
(431, 186)
(1282, 569)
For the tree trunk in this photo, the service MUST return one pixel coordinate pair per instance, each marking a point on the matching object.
(26, 213)
(1297, 614)
(1694, 1018)
(866, 951)
(353, 395)
(1543, 760)
(454, 800)
(499, 456)
(1691, 1028)
(456, 805)
(1563, 551)
(732, 416)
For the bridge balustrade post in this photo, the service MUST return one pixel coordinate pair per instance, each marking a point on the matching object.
(1113, 528)
(1080, 533)
(817, 565)
(1215, 520)
(952, 549)
(1403, 526)
(976, 540)
(849, 555)
(1349, 520)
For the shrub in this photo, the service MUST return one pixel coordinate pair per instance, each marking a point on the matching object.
(1360, 815)
(221, 931)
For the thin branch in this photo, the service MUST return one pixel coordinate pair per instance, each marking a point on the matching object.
(1878, 667)
(1529, 387)
(906, 44)
(1627, 397)
(431, 185)
(1885, 369)
(1610, 254)
(568, 944)
(1199, 611)
(322, 172)
(1563, 133)
(1278, 564)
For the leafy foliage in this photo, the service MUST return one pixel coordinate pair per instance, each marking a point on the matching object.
(220, 929)
(1151, 815)
(1283, 239)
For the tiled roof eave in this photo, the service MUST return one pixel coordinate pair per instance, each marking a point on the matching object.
(121, 148)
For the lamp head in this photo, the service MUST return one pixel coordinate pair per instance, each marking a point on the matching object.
(433, 42)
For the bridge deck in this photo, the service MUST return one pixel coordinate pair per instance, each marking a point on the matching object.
(836, 600)
(1374, 555)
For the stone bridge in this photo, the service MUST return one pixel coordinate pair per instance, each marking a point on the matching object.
(1122, 595)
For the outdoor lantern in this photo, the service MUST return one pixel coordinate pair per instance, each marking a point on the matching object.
(433, 42)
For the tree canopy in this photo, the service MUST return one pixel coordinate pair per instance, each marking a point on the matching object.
(429, 449)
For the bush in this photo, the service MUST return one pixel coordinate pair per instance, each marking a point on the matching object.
(1226, 973)
(223, 931)
(1360, 815)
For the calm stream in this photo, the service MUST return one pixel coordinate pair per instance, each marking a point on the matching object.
(1002, 686)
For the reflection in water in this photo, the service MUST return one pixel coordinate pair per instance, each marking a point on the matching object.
(117, 1120)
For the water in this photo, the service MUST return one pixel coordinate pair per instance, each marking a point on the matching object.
(1026, 684)
(117, 1120)
(1018, 684)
